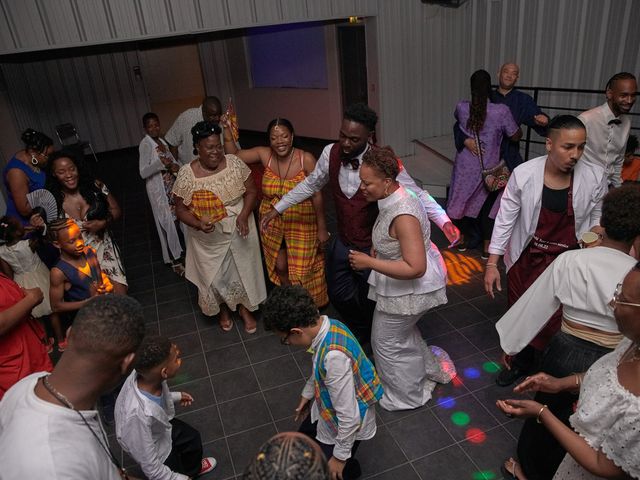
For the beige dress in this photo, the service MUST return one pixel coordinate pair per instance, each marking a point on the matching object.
(225, 267)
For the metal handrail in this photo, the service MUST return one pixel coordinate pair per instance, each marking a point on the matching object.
(536, 91)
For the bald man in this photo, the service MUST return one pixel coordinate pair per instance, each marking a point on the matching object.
(179, 135)
(524, 111)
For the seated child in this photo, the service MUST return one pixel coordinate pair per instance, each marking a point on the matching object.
(77, 276)
(19, 261)
(343, 384)
(165, 447)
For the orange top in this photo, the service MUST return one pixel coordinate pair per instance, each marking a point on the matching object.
(631, 171)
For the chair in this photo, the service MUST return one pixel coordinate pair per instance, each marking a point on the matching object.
(68, 136)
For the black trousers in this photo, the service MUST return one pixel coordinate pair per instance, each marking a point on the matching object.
(348, 289)
(351, 468)
(186, 449)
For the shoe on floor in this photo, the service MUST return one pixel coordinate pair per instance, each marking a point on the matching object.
(462, 247)
(207, 465)
(507, 377)
(485, 256)
(62, 346)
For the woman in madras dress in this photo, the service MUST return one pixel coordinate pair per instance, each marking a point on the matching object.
(407, 279)
(214, 198)
(292, 246)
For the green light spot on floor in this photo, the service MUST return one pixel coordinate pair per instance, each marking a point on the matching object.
(460, 419)
(484, 475)
(491, 367)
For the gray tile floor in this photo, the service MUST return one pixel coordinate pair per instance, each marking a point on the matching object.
(247, 386)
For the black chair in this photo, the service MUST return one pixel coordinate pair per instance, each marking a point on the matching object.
(68, 136)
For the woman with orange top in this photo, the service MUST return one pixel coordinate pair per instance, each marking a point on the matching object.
(214, 198)
(292, 245)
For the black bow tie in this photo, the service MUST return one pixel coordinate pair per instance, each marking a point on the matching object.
(615, 121)
(354, 162)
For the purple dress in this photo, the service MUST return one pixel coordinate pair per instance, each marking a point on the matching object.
(467, 193)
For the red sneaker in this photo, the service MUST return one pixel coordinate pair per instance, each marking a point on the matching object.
(62, 346)
(208, 464)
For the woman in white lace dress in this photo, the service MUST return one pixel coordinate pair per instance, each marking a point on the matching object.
(606, 440)
(407, 279)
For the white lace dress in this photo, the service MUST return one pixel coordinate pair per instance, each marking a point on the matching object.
(607, 417)
(408, 368)
(225, 267)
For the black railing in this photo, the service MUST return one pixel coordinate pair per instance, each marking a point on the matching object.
(550, 108)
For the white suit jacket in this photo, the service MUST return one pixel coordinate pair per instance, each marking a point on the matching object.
(517, 217)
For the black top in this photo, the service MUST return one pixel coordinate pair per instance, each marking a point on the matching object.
(555, 200)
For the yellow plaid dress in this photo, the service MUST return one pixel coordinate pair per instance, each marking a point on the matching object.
(299, 230)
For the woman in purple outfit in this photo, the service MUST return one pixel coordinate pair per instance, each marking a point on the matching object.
(485, 124)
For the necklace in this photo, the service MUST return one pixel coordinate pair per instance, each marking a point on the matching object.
(281, 179)
(102, 442)
(634, 357)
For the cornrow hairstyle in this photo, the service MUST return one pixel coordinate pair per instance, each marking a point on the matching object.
(361, 113)
(564, 122)
(149, 116)
(383, 160)
(480, 90)
(86, 180)
(153, 351)
(56, 226)
(619, 76)
(34, 140)
(288, 456)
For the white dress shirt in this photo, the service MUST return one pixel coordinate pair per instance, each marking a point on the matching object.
(581, 281)
(349, 180)
(606, 140)
(143, 429)
(521, 202)
(342, 390)
(39, 439)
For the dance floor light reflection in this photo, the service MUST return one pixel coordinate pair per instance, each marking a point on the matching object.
(475, 435)
(447, 402)
(483, 475)
(491, 367)
(471, 372)
(461, 268)
(460, 419)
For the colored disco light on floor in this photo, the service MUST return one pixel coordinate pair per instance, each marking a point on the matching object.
(460, 419)
(457, 381)
(483, 475)
(491, 367)
(475, 435)
(461, 268)
(447, 402)
(180, 378)
(471, 372)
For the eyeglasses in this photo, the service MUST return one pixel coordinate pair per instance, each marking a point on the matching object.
(285, 340)
(616, 298)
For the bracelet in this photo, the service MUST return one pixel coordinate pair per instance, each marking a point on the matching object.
(494, 265)
(538, 420)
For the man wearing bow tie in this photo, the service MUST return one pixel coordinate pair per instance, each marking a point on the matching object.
(608, 127)
(339, 165)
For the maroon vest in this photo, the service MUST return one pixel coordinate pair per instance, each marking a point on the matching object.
(355, 215)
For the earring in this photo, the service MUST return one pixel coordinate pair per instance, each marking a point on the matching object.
(34, 160)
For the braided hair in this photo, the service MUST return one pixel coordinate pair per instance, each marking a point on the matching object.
(34, 140)
(288, 456)
(480, 90)
(56, 226)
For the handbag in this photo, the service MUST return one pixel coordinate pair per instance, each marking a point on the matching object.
(494, 178)
(99, 207)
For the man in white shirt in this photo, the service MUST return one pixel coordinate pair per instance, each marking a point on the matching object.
(608, 127)
(343, 387)
(547, 205)
(339, 165)
(179, 135)
(49, 425)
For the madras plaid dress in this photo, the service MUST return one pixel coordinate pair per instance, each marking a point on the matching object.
(207, 204)
(299, 230)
